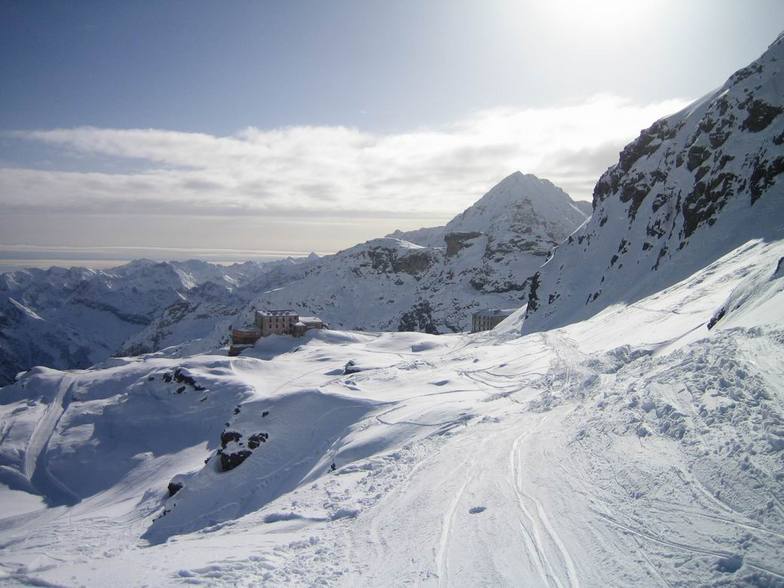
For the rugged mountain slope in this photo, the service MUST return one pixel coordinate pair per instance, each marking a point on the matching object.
(75, 317)
(692, 187)
(484, 258)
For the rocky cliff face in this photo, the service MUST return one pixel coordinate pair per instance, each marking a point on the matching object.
(690, 188)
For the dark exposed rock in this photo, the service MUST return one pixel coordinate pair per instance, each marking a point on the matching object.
(760, 115)
(762, 176)
(457, 241)
(228, 437)
(716, 318)
(387, 260)
(255, 440)
(419, 318)
(414, 263)
(229, 461)
(705, 201)
(696, 156)
(718, 138)
(646, 144)
(183, 378)
(634, 191)
(533, 296)
(351, 368)
(173, 488)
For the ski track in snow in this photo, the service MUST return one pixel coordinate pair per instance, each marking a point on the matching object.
(556, 564)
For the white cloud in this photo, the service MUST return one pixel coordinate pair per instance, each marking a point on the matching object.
(311, 171)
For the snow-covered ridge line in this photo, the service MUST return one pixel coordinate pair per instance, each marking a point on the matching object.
(71, 318)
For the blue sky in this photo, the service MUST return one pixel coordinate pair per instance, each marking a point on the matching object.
(334, 121)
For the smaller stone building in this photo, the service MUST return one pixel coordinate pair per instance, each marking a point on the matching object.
(489, 318)
(245, 335)
(305, 323)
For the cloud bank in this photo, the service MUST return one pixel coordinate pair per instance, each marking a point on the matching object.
(309, 172)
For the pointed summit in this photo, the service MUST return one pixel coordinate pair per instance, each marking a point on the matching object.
(521, 203)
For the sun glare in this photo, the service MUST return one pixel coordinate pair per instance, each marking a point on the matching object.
(596, 15)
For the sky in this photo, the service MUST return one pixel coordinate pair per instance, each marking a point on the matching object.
(229, 130)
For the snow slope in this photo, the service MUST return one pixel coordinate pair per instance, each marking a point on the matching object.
(635, 448)
(692, 187)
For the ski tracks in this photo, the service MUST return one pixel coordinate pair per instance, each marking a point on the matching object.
(545, 547)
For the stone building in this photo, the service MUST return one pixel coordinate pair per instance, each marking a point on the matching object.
(306, 323)
(245, 335)
(276, 322)
(272, 322)
(489, 318)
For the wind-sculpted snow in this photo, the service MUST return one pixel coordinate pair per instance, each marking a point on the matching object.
(638, 447)
(287, 447)
(692, 187)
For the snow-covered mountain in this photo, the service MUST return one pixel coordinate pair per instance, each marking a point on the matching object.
(427, 280)
(482, 258)
(692, 187)
(432, 279)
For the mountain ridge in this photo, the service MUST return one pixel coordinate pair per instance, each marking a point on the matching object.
(690, 188)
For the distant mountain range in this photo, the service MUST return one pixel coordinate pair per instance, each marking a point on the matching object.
(426, 280)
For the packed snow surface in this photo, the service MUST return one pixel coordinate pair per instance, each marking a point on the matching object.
(634, 448)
